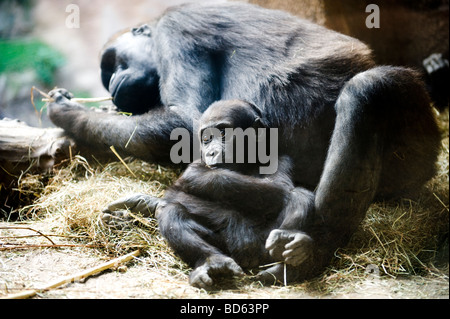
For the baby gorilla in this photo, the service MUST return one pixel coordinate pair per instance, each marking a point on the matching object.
(221, 216)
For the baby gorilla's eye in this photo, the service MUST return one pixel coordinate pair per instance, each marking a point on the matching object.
(206, 138)
(209, 134)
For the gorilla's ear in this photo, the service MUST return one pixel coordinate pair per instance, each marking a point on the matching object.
(259, 123)
(144, 30)
(254, 108)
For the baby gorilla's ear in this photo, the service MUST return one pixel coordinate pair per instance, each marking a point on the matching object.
(259, 123)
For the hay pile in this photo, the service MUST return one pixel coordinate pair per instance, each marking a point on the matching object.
(399, 237)
(78, 192)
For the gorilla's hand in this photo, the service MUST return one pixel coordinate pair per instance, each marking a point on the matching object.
(291, 246)
(61, 105)
(61, 99)
(116, 215)
(215, 266)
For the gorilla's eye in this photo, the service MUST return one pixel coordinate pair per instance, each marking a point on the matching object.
(209, 134)
(206, 138)
(122, 63)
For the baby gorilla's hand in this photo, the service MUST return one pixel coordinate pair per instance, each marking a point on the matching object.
(291, 246)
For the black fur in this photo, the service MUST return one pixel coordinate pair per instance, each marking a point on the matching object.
(223, 217)
(352, 131)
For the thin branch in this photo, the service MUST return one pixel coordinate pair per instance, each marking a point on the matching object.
(77, 277)
(28, 228)
(121, 160)
(12, 246)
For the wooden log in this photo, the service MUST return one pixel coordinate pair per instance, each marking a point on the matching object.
(30, 149)
(25, 149)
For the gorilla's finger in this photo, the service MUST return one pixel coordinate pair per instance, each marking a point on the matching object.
(299, 239)
(274, 236)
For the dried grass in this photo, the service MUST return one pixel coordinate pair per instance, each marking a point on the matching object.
(77, 194)
(399, 237)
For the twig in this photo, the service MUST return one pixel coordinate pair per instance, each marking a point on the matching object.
(38, 114)
(48, 98)
(271, 264)
(40, 91)
(76, 277)
(120, 158)
(83, 100)
(28, 228)
(49, 235)
(26, 246)
(132, 134)
(32, 99)
(440, 201)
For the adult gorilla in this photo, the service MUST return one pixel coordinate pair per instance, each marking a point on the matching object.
(353, 131)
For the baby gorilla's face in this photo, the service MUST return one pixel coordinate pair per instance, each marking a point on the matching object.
(213, 146)
(229, 133)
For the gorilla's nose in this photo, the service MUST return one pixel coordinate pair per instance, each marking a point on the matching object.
(212, 157)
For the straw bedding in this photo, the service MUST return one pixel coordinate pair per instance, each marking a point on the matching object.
(399, 237)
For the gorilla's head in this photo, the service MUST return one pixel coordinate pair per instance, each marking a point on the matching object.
(231, 126)
(129, 71)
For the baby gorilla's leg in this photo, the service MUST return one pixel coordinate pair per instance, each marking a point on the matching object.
(117, 214)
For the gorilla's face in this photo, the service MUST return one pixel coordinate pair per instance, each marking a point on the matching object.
(218, 135)
(129, 72)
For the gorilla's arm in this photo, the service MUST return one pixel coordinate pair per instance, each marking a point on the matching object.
(145, 136)
(233, 188)
(288, 242)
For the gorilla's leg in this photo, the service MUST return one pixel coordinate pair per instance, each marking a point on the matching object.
(188, 238)
(116, 215)
(376, 121)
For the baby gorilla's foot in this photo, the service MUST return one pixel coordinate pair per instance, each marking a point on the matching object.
(118, 214)
(214, 267)
(116, 219)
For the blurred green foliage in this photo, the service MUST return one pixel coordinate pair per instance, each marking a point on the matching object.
(19, 55)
